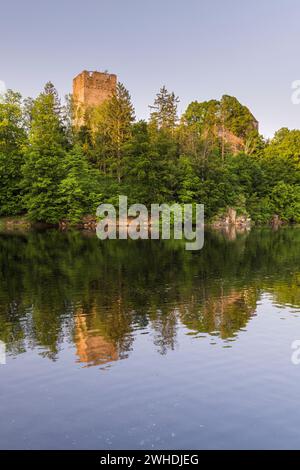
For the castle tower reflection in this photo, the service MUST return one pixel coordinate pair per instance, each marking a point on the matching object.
(92, 348)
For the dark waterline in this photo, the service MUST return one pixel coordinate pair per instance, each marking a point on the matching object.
(141, 344)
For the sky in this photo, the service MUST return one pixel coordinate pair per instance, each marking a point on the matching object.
(198, 49)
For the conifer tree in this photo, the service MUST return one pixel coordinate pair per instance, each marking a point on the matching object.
(111, 126)
(12, 139)
(164, 111)
(43, 169)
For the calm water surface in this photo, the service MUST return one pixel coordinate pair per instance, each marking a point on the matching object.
(131, 344)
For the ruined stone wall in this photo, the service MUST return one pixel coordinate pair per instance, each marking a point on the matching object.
(91, 89)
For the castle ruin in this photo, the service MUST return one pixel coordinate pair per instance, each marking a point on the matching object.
(91, 89)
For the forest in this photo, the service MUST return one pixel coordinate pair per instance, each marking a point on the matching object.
(212, 154)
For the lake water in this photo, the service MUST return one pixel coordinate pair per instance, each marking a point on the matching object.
(143, 345)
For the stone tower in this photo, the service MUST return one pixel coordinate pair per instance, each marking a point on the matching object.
(91, 89)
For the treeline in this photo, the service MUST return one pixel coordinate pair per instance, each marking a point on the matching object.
(51, 170)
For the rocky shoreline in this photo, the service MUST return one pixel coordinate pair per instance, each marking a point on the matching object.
(227, 222)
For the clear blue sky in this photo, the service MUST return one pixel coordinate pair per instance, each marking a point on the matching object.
(200, 49)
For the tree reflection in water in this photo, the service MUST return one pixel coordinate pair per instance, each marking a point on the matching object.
(71, 287)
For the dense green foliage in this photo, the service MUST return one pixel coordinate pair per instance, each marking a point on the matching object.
(12, 139)
(213, 155)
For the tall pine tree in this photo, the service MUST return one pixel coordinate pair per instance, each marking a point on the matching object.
(111, 126)
(12, 139)
(43, 169)
(164, 110)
